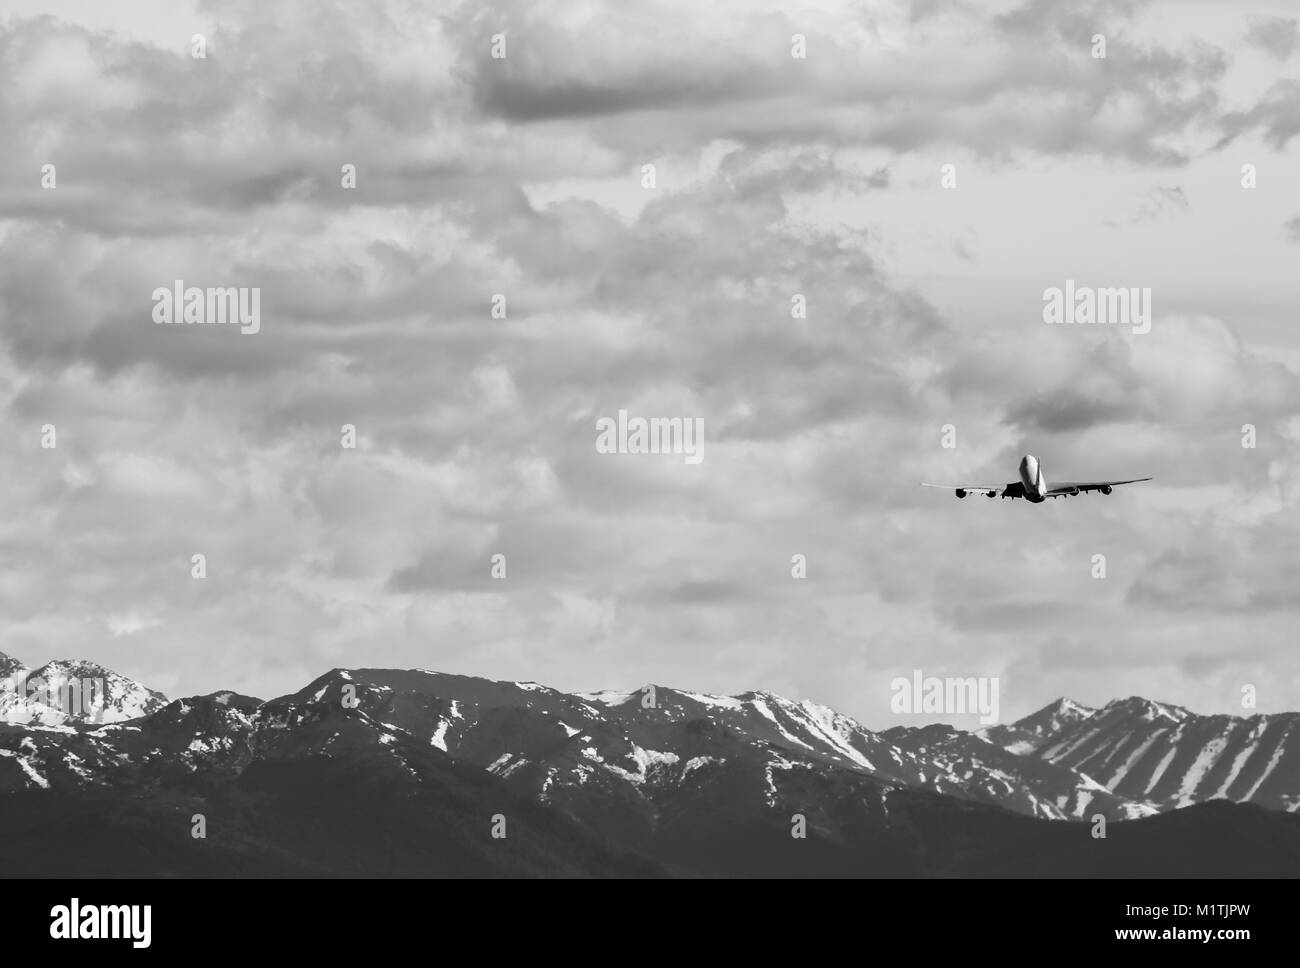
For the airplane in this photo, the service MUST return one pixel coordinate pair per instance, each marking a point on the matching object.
(1033, 487)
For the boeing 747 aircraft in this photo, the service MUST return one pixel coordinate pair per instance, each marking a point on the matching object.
(1033, 487)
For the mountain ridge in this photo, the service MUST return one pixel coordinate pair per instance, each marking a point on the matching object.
(657, 779)
(1058, 762)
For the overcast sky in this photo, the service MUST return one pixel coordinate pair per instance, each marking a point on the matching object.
(774, 176)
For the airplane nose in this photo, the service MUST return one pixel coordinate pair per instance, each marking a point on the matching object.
(1029, 471)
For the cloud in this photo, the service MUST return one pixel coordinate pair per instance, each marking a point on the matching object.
(1276, 115)
(1224, 573)
(1067, 411)
(1162, 201)
(1279, 36)
(1026, 79)
(778, 179)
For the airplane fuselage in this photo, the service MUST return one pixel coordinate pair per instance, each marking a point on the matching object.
(1031, 477)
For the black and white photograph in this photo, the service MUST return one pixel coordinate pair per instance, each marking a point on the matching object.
(659, 442)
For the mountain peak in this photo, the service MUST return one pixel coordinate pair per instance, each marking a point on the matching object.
(1054, 716)
(81, 668)
(9, 666)
(1065, 704)
(1148, 709)
(73, 690)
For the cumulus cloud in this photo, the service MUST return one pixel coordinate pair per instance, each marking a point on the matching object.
(1279, 36)
(1276, 116)
(779, 181)
(1025, 79)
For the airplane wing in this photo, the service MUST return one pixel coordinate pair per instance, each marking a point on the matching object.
(1013, 489)
(1081, 487)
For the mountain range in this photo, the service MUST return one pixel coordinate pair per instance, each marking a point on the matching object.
(373, 771)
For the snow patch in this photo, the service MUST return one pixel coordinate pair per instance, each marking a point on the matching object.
(439, 737)
(1277, 755)
(696, 762)
(718, 702)
(1205, 760)
(606, 697)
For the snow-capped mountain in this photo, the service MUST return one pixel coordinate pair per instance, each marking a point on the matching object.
(10, 667)
(638, 747)
(1169, 757)
(687, 778)
(71, 691)
(1026, 735)
(1029, 785)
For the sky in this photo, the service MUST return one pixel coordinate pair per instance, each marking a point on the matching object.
(774, 177)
